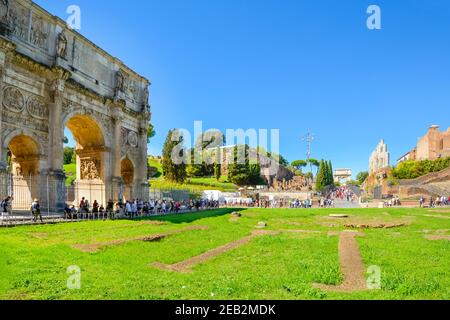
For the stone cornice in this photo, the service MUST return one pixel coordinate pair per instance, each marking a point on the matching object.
(31, 65)
(61, 73)
(72, 84)
(6, 44)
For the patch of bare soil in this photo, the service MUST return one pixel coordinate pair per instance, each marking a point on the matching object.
(300, 231)
(375, 225)
(338, 216)
(436, 216)
(330, 225)
(352, 266)
(94, 247)
(40, 235)
(439, 211)
(436, 237)
(186, 265)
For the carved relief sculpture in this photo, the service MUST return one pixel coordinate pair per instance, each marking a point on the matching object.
(90, 169)
(39, 35)
(13, 99)
(18, 22)
(124, 134)
(133, 139)
(4, 6)
(37, 108)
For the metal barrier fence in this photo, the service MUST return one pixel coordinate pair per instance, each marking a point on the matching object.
(172, 194)
(53, 194)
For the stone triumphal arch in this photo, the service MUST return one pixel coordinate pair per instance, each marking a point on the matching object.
(52, 78)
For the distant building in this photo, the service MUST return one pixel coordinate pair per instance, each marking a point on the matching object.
(379, 158)
(435, 144)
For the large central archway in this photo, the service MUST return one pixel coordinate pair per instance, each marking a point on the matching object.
(91, 158)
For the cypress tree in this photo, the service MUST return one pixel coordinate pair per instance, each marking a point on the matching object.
(173, 172)
(330, 168)
(321, 176)
(326, 179)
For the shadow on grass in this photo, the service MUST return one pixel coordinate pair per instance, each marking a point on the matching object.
(190, 217)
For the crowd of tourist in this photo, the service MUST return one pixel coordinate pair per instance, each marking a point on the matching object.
(135, 208)
(393, 202)
(284, 203)
(140, 208)
(434, 202)
(344, 193)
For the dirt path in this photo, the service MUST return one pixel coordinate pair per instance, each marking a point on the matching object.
(436, 216)
(437, 237)
(375, 225)
(352, 266)
(185, 266)
(94, 247)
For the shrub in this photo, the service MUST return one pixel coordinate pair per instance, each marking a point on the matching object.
(411, 169)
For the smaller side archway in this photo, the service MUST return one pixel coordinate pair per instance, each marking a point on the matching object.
(25, 165)
(25, 156)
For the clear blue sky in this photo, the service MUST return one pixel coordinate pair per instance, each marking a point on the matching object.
(290, 65)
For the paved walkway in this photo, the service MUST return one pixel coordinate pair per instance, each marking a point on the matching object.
(338, 203)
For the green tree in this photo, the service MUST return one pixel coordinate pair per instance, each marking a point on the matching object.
(326, 178)
(330, 174)
(361, 177)
(150, 132)
(69, 155)
(202, 164)
(243, 173)
(313, 162)
(175, 172)
(321, 176)
(217, 171)
(299, 164)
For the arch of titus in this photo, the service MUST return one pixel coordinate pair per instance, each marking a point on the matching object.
(52, 78)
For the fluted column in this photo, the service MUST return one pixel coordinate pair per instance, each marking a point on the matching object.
(116, 179)
(55, 179)
(6, 51)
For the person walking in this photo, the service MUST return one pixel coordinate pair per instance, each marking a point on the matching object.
(4, 208)
(134, 209)
(128, 209)
(36, 211)
(110, 209)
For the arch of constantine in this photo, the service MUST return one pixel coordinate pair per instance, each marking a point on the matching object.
(52, 78)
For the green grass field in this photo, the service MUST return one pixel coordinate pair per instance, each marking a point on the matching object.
(34, 260)
(195, 184)
(71, 172)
